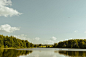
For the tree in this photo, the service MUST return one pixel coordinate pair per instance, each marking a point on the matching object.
(55, 45)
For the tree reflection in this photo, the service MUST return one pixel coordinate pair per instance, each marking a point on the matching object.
(73, 53)
(13, 52)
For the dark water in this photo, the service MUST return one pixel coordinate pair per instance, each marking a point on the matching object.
(43, 52)
(13, 52)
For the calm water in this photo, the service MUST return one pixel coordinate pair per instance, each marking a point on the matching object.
(43, 52)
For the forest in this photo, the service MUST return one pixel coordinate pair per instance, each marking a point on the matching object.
(13, 42)
(73, 43)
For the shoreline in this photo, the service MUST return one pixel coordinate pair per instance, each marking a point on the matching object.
(8, 48)
(14, 48)
(30, 48)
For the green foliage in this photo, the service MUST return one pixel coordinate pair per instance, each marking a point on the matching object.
(35, 45)
(13, 42)
(6, 46)
(55, 45)
(73, 43)
(40, 44)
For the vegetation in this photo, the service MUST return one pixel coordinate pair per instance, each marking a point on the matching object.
(13, 52)
(13, 42)
(73, 43)
(44, 45)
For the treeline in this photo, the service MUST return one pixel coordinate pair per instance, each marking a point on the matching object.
(43, 45)
(73, 43)
(13, 52)
(13, 42)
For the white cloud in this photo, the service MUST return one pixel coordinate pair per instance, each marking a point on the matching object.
(49, 41)
(81, 38)
(22, 36)
(75, 31)
(5, 2)
(53, 38)
(8, 28)
(37, 38)
(70, 38)
(85, 32)
(6, 11)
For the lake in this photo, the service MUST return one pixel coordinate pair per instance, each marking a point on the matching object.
(43, 52)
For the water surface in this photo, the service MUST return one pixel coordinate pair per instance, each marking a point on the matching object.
(43, 52)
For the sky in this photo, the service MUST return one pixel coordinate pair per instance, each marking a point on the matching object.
(43, 21)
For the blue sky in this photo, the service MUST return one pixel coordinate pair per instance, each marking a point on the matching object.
(43, 21)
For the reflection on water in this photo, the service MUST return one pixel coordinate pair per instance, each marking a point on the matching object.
(13, 52)
(56, 52)
(73, 53)
(41, 52)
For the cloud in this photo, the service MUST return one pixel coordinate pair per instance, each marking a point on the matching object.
(53, 38)
(81, 38)
(8, 28)
(70, 38)
(49, 41)
(22, 36)
(75, 31)
(6, 11)
(37, 38)
(85, 32)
